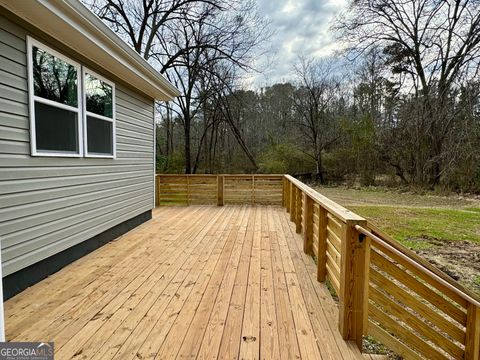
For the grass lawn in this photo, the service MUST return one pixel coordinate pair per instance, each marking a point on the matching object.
(444, 229)
(411, 226)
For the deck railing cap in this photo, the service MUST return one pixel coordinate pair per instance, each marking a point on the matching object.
(336, 209)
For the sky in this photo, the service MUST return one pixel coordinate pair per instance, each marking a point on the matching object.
(301, 27)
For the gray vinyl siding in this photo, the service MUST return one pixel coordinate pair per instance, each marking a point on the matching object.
(50, 204)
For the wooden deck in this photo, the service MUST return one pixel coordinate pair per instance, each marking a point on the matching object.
(194, 282)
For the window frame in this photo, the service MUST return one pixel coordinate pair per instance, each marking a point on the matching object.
(32, 98)
(86, 113)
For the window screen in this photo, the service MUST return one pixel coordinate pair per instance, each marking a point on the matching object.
(99, 135)
(55, 129)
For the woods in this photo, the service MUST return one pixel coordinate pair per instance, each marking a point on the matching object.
(397, 105)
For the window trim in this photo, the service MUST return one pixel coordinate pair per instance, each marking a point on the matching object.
(32, 98)
(100, 117)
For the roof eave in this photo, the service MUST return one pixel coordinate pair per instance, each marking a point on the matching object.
(72, 24)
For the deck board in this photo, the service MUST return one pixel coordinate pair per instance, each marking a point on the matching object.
(198, 282)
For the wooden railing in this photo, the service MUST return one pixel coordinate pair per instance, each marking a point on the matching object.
(218, 189)
(384, 289)
(329, 235)
(416, 309)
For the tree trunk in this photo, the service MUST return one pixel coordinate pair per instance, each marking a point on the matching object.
(169, 145)
(241, 142)
(318, 163)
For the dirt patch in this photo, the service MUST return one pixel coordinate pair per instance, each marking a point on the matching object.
(458, 259)
(372, 346)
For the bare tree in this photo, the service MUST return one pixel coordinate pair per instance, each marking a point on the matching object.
(140, 21)
(434, 43)
(313, 103)
(183, 38)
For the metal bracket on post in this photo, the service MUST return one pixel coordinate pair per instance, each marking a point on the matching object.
(361, 237)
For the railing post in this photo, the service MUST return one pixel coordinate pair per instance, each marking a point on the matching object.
(472, 343)
(298, 211)
(253, 189)
(354, 270)
(220, 188)
(188, 190)
(322, 244)
(287, 194)
(293, 194)
(157, 190)
(307, 224)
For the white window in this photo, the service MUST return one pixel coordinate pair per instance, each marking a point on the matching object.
(99, 115)
(72, 110)
(55, 102)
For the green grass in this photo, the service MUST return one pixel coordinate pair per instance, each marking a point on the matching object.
(411, 225)
(413, 219)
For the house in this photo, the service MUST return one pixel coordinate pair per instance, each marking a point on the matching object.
(77, 137)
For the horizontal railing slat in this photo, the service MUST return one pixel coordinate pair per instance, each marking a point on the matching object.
(406, 336)
(416, 305)
(466, 293)
(396, 345)
(424, 330)
(414, 285)
(429, 279)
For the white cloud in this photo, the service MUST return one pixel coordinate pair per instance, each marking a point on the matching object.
(301, 28)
